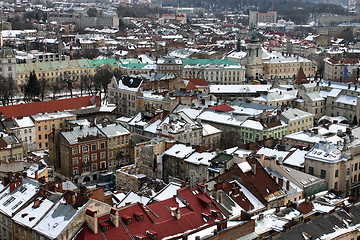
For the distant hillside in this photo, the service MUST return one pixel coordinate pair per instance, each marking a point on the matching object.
(295, 10)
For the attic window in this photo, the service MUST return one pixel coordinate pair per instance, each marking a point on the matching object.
(139, 237)
(24, 215)
(127, 219)
(206, 216)
(152, 234)
(16, 205)
(216, 213)
(138, 216)
(104, 226)
(31, 218)
(177, 152)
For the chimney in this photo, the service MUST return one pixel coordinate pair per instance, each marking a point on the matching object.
(277, 209)
(177, 214)
(288, 185)
(36, 175)
(114, 214)
(92, 219)
(281, 182)
(253, 168)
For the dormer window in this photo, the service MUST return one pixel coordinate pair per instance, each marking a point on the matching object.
(126, 219)
(152, 234)
(138, 216)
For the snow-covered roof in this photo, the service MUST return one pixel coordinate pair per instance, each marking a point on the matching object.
(167, 192)
(57, 219)
(132, 197)
(209, 130)
(179, 151)
(296, 159)
(25, 122)
(200, 158)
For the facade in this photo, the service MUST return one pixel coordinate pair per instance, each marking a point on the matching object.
(286, 66)
(297, 120)
(256, 17)
(118, 142)
(181, 128)
(124, 93)
(337, 163)
(210, 137)
(25, 132)
(83, 153)
(338, 68)
(54, 71)
(11, 149)
(8, 64)
(170, 64)
(48, 123)
(214, 71)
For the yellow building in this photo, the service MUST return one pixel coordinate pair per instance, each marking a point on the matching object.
(46, 124)
(118, 144)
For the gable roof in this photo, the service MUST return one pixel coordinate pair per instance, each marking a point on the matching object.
(28, 109)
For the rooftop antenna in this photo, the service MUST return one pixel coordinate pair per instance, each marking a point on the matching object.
(272, 6)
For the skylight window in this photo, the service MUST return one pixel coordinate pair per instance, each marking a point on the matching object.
(16, 205)
(7, 202)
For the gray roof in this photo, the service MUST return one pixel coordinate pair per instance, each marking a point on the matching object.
(113, 130)
(81, 131)
(322, 225)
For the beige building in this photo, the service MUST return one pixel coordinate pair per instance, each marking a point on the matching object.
(337, 163)
(286, 66)
(337, 68)
(118, 139)
(211, 137)
(11, 149)
(46, 124)
(297, 120)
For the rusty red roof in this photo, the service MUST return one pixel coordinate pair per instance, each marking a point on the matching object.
(28, 109)
(222, 108)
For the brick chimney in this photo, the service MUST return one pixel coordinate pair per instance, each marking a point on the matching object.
(114, 215)
(92, 219)
(177, 214)
(288, 185)
(15, 184)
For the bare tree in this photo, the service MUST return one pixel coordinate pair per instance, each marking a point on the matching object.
(7, 90)
(43, 88)
(86, 83)
(69, 79)
(103, 77)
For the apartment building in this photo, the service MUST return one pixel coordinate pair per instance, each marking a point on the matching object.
(48, 123)
(337, 68)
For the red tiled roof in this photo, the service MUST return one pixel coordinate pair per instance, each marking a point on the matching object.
(28, 109)
(222, 108)
(160, 218)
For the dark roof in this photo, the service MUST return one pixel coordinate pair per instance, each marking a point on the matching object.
(222, 108)
(131, 82)
(137, 138)
(300, 77)
(321, 225)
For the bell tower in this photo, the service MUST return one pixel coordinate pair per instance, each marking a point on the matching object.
(254, 66)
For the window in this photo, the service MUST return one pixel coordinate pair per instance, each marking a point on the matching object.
(323, 174)
(348, 171)
(86, 158)
(311, 170)
(93, 147)
(74, 150)
(356, 166)
(45, 127)
(336, 185)
(103, 155)
(39, 128)
(93, 157)
(336, 173)
(39, 136)
(75, 171)
(75, 161)
(39, 145)
(85, 149)
(102, 145)
(94, 166)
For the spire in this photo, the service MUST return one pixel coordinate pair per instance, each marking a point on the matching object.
(300, 77)
(254, 37)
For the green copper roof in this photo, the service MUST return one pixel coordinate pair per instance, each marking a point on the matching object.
(112, 62)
